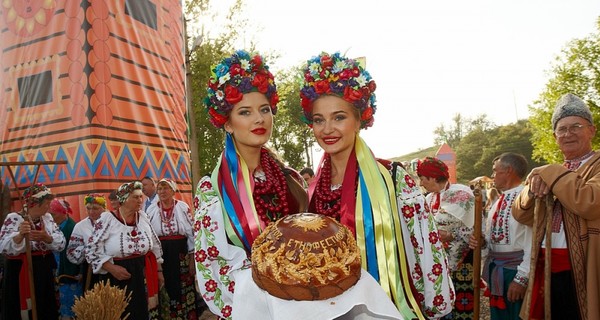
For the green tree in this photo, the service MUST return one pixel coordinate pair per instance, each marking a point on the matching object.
(202, 56)
(482, 144)
(459, 128)
(575, 70)
(291, 138)
(451, 135)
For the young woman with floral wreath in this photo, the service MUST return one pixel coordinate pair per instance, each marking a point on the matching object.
(45, 237)
(391, 225)
(452, 206)
(249, 187)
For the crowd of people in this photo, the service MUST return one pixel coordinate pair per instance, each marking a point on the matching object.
(125, 245)
(415, 231)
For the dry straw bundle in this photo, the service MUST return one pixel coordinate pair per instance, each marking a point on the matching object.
(103, 302)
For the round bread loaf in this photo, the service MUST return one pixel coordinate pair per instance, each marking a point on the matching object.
(305, 256)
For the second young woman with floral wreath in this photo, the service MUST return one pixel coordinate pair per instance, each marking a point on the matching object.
(249, 187)
(387, 215)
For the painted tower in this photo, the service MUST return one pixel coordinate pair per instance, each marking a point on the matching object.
(98, 83)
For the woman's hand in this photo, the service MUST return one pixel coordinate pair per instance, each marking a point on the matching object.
(445, 236)
(161, 279)
(41, 235)
(473, 242)
(192, 264)
(120, 273)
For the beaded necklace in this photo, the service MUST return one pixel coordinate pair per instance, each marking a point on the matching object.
(133, 233)
(327, 199)
(270, 193)
(166, 214)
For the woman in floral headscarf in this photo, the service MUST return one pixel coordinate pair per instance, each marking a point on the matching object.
(389, 220)
(125, 250)
(249, 187)
(452, 205)
(45, 237)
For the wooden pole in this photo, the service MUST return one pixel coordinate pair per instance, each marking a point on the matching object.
(548, 258)
(477, 251)
(9, 166)
(88, 278)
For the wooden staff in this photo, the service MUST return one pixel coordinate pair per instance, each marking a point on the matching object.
(477, 251)
(26, 217)
(88, 278)
(548, 257)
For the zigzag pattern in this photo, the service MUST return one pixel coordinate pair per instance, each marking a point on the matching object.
(89, 161)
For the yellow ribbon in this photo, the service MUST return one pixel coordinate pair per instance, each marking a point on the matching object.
(391, 257)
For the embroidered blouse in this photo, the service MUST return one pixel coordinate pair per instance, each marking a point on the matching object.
(505, 234)
(177, 222)
(81, 235)
(113, 239)
(454, 213)
(10, 229)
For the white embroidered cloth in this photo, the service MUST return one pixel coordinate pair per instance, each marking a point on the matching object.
(365, 300)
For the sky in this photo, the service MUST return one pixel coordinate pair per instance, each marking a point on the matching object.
(430, 59)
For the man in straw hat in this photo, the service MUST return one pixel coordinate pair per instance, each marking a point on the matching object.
(573, 212)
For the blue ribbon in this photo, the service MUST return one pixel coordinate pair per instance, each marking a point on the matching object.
(371, 251)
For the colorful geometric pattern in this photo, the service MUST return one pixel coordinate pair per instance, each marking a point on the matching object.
(100, 84)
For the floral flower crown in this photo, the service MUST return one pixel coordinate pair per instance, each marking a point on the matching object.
(231, 78)
(36, 194)
(126, 189)
(337, 75)
(95, 198)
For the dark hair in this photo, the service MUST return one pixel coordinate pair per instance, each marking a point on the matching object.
(147, 178)
(307, 170)
(516, 161)
(113, 195)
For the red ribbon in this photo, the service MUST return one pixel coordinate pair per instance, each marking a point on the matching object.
(151, 274)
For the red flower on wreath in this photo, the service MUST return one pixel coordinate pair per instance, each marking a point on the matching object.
(352, 95)
(322, 86)
(217, 118)
(232, 94)
(261, 82)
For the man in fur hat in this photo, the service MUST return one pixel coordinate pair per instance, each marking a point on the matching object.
(575, 242)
